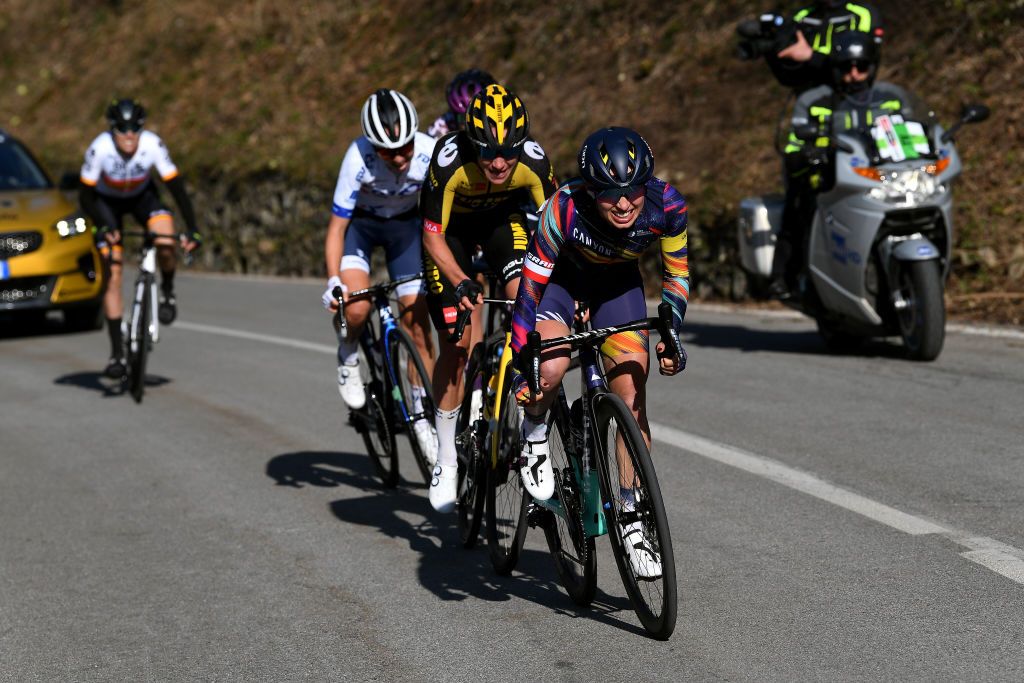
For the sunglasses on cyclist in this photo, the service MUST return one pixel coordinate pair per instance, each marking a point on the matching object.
(862, 65)
(492, 153)
(405, 151)
(128, 127)
(630, 192)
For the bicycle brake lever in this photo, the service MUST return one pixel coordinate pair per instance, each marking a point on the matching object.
(460, 327)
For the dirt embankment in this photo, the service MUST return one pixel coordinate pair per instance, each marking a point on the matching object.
(258, 101)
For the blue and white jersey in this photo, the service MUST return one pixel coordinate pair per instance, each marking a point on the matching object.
(366, 182)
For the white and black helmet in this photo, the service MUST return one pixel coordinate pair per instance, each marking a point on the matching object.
(389, 119)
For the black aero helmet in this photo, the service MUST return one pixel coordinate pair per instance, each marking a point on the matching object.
(389, 119)
(615, 158)
(851, 48)
(126, 115)
(497, 120)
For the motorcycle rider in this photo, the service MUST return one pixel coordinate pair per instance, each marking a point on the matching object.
(797, 47)
(852, 101)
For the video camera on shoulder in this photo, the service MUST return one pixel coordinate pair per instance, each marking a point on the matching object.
(765, 36)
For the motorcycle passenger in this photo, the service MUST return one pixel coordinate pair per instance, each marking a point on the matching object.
(115, 180)
(852, 101)
(587, 248)
(459, 93)
(810, 32)
(375, 205)
(479, 179)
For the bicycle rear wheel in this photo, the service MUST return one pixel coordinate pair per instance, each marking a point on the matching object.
(375, 425)
(506, 499)
(470, 429)
(570, 547)
(138, 344)
(624, 461)
(414, 392)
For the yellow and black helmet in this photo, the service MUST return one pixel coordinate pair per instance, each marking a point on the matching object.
(496, 120)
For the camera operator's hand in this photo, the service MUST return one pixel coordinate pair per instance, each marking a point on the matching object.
(800, 51)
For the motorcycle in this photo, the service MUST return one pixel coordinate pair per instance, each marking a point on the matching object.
(878, 252)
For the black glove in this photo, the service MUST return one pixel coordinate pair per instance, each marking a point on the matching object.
(470, 289)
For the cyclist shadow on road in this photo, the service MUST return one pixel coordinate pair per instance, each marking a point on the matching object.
(107, 388)
(444, 568)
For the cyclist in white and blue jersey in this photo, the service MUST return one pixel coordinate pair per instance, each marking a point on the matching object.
(376, 205)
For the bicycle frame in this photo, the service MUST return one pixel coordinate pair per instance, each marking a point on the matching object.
(145, 284)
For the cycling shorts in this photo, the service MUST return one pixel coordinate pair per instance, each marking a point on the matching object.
(502, 237)
(143, 207)
(400, 237)
(615, 293)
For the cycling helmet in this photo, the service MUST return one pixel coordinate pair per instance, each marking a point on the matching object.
(497, 120)
(853, 47)
(126, 115)
(389, 119)
(462, 88)
(615, 158)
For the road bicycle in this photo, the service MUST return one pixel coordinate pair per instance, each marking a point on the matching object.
(141, 328)
(598, 454)
(398, 390)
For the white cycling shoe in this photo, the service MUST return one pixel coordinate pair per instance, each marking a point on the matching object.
(443, 485)
(427, 439)
(645, 562)
(537, 476)
(350, 386)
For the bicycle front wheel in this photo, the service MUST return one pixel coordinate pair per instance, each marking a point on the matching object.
(638, 528)
(470, 429)
(376, 428)
(506, 499)
(138, 344)
(570, 547)
(414, 393)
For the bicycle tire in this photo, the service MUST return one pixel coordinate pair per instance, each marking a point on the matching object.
(404, 356)
(654, 598)
(468, 442)
(506, 499)
(571, 549)
(379, 436)
(137, 357)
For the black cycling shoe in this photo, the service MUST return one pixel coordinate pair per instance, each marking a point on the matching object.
(168, 309)
(779, 289)
(115, 368)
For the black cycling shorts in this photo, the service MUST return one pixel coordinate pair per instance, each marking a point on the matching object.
(142, 206)
(503, 239)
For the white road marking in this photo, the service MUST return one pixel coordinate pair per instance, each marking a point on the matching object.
(994, 555)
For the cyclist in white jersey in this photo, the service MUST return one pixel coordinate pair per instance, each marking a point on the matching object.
(376, 204)
(116, 180)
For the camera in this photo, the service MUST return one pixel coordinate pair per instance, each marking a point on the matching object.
(765, 36)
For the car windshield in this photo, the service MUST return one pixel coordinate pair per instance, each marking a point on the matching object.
(18, 170)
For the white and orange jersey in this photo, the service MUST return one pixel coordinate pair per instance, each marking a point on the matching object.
(113, 175)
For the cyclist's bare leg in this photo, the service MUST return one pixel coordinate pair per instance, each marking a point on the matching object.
(166, 251)
(627, 378)
(554, 363)
(416, 321)
(477, 317)
(448, 370)
(112, 302)
(356, 313)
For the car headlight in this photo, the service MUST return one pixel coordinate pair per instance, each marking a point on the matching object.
(907, 187)
(72, 225)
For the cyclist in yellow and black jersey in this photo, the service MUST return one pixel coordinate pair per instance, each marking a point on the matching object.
(477, 183)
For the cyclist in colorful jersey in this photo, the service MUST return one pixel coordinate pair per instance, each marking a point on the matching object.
(587, 247)
(116, 180)
(477, 183)
(459, 93)
(375, 205)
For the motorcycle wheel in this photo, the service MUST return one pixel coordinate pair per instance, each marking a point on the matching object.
(923, 320)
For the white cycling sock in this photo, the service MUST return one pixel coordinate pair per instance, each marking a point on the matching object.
(535, 427)
(348, 352)
(444, 423)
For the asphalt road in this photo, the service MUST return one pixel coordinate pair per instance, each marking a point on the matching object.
(834, 517)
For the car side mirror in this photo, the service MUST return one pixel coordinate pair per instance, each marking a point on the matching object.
(974, 113)
(68, 182)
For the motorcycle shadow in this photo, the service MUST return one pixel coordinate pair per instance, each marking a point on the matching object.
(443, 568)
(804, 342)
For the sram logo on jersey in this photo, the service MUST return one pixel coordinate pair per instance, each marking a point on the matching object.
(537, 269)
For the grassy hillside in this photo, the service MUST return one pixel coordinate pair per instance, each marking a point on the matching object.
(247, 93)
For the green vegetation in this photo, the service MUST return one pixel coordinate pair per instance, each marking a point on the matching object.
(243, 89)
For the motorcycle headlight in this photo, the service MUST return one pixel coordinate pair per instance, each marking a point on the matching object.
(72, 225)
(907, 187)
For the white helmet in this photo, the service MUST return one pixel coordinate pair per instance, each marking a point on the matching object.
(389, 119)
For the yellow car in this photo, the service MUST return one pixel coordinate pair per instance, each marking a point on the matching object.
(47, 257)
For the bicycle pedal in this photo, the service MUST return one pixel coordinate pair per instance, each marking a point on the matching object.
(537, 516)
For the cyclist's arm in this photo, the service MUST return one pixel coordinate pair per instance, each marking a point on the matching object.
(334, 244)
(675, 280)
(177, 187)
(346, 193)
(436, 199)
(541, 256)
(87, 200)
